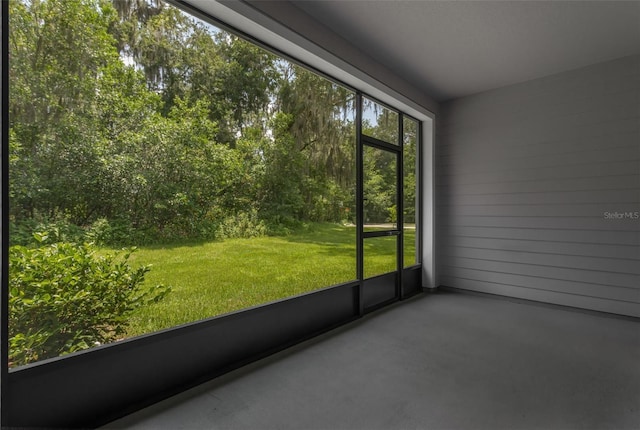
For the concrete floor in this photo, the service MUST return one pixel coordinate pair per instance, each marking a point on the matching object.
(439, 361)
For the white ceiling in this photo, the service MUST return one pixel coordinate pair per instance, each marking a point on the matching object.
(457, 48)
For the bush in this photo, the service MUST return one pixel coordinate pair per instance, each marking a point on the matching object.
(65, 297)
(59, 229)
(242, 225)
(117, 232)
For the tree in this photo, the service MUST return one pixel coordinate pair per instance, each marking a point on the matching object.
(53, 127)
(146, 117)
(324, 132)
(245, 83)
(133, 16)
(281, 196)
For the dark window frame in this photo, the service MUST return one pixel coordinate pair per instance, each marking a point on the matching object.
(64, 375)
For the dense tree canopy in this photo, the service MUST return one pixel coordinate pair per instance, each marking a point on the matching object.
(136, 119)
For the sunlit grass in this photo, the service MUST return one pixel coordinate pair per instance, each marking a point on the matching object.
(213, 278)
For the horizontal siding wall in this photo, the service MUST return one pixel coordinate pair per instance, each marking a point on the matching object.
(525, 177)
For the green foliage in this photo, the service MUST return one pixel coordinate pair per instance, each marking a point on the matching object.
(53, 123)
(392, 213)
(59, 229)
(281, 199)
(148, 126)
(242, 225)
(410, 135)
(379, 185)
(133, 123)
(115, 232)
(65, 297)
(328, 201)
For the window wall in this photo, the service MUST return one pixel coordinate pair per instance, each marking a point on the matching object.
(208, 199)
(164, 171)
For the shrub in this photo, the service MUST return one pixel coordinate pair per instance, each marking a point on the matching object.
(116, 232)
(65, 297)
(242, 225)
(59, 229)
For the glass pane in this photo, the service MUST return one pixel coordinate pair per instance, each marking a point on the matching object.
(380, 255)
(380, 199)
(410, 184)
(231, 170)
(379, 121)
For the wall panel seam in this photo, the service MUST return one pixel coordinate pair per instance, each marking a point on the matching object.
(538, 277)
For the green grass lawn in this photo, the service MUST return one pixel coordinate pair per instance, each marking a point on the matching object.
(213, 278)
